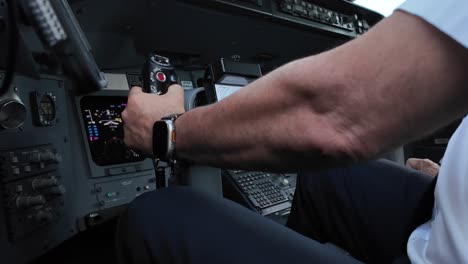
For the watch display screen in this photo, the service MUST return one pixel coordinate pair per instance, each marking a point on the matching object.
(102, 117)
(160, 139)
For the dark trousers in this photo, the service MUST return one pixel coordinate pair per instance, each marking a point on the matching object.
(367, 210)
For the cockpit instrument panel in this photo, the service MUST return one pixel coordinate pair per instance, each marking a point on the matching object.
(43, 108)
(102, 117)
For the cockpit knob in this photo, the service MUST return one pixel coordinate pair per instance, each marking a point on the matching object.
(12, 114)
(23, 202)
(43, 217)
(38, 184)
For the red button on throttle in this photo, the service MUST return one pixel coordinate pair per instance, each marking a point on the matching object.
(161, 76)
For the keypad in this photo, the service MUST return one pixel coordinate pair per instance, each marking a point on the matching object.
(262, 191)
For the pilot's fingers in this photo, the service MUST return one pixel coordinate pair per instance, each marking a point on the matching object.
(413, 163)
(135, 90)
(430, 162)
(128, 136)
(127, 139)
(125, 116)
(175, 89)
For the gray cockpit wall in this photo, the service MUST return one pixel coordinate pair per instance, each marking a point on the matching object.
(123, 32)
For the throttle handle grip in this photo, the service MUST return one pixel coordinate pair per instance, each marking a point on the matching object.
(158, 74)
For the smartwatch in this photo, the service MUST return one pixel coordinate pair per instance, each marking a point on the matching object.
(164, 137)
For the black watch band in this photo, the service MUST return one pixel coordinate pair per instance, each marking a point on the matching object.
(164, 138)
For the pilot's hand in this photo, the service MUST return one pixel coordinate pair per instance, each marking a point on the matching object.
(143, 109)
(424, 165)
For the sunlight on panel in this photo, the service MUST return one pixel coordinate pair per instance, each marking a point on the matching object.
(385, 7)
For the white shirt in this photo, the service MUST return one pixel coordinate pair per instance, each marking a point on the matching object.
(444, 239)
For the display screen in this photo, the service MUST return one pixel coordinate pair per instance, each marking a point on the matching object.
(102, 116)
(223, 91)
(47, 108)
(229, 84)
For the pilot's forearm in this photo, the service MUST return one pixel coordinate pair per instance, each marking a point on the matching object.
(400, 80)
(265, 125)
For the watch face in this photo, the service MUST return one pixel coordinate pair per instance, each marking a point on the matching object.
(160, 139)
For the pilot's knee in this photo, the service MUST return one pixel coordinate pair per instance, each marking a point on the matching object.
(159, 210)
(322, 182)
(164, 201)
(306, 180)
(333, 177)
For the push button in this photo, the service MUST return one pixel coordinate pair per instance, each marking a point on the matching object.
(23, 202)
(161, 76)
(14, 159)
(15, 170)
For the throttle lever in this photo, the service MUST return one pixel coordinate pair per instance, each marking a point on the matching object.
(158, 74)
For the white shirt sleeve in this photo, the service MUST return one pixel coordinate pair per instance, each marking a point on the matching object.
(444, 239)
(449, 16)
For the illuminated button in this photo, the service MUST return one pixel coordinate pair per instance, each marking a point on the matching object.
(147, 187)
(161, 76)
(111, 194)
